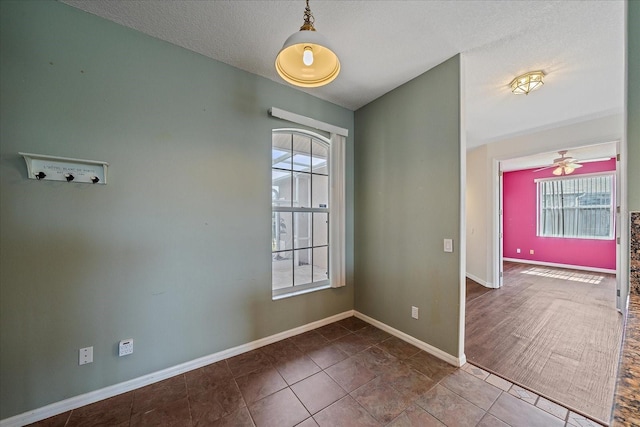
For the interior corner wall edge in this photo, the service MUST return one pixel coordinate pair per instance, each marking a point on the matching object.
(174, 251)
(407, 200)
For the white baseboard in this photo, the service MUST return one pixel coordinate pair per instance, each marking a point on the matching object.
(554, 264)
(479, 280)
(452, 360)
(116, 389)
(135, 383)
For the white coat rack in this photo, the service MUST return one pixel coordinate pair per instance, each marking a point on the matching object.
(52, 168)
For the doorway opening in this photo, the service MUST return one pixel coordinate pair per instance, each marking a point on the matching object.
(526, 235)
(536, 329)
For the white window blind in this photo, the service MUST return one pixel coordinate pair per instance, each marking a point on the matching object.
(337, 271)
(577, 207)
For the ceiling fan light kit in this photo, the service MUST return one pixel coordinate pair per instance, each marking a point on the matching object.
(564, 165)
(306, 58)
(563, 170)
(527, 82)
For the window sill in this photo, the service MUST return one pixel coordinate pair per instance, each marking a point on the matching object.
(282, 294)
(578, 237)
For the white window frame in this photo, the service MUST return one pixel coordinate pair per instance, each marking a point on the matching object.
(337, 185)
(539, 217)
(317, 285)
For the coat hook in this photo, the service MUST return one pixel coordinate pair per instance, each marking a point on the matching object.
(40, 175)
(95, 179)
(69, 177)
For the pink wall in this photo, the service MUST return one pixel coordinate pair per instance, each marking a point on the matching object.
(519, 208)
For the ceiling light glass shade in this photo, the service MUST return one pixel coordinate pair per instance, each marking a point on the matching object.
(528, 82)
(565, 170)
(290, 62)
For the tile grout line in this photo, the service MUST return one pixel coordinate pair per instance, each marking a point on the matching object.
(133, 396)
(539, 396)
(347, 393)
(186, 386)
(502, 391)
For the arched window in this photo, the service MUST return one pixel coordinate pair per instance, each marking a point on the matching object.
(301, 211)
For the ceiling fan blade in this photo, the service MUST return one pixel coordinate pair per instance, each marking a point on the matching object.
(574, 165)
(601, 159)
(546, 167)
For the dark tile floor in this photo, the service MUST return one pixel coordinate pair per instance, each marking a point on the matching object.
(347, 373)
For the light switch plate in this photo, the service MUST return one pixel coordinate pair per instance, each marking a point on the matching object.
(448, 245)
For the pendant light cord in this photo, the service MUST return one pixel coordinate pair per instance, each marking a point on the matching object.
(308, 19)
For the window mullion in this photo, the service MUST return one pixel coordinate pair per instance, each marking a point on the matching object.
(293, 249)
(302, 210)
(310, 243)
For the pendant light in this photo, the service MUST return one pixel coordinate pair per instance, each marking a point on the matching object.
(306, 59)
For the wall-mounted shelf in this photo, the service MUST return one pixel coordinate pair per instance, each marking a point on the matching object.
(52, 168)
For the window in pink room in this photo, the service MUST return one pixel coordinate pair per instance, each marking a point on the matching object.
(566, 220)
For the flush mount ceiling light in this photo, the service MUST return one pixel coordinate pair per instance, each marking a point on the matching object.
(306, 59)
(527, 82)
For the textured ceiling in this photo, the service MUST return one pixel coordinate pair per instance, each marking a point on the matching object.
(383, 44)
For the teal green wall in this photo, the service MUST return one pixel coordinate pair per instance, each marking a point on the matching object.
(174, 251)
(633, 105)
(407, 199)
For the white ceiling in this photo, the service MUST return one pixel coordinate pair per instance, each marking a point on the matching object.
(383, 44)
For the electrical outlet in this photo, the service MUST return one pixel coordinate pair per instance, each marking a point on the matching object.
(125, 347)
(85, 356)
(531, 251)
(518, 250)
(414, 312)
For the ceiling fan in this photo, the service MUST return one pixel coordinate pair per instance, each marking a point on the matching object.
(564, 165)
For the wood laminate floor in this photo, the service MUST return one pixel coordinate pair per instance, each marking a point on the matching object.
(554, 331)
